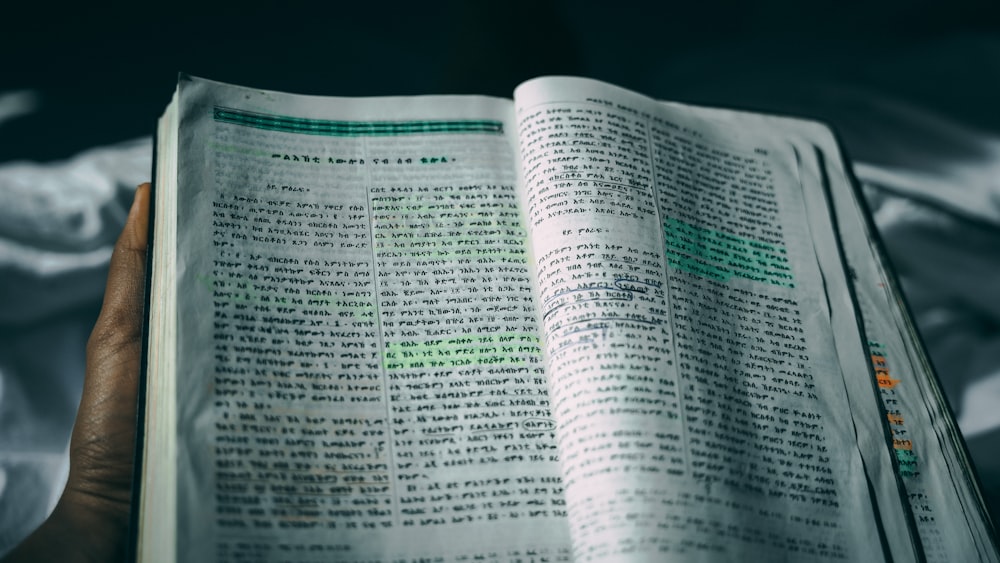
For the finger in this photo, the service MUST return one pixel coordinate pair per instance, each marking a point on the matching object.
(126, 278)
(120, 322)
(103, 437)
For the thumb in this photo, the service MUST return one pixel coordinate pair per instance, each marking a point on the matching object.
(102, 445)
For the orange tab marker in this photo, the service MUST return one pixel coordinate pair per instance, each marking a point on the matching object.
(895, 419)
(886, 382)
(902, 444)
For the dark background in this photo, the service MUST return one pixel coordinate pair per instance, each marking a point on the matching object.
(104, 73)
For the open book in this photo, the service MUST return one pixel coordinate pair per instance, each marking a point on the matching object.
(579, 325)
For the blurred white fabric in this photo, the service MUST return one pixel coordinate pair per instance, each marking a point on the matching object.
(58, 223)
(938, 212)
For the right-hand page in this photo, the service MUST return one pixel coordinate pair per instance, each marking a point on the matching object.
(948, 508)
(708, 377)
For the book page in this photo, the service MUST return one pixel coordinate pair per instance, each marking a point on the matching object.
(359, 372)
(937, 474)
(155, 477)
(697, 367)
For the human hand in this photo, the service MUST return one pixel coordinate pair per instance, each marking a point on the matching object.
(90, 522)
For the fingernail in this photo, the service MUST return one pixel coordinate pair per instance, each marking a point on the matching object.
(135, 201)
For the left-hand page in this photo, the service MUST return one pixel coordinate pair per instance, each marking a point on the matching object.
(358, 369)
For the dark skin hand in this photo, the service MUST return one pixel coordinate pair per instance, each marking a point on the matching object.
(90, 522)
